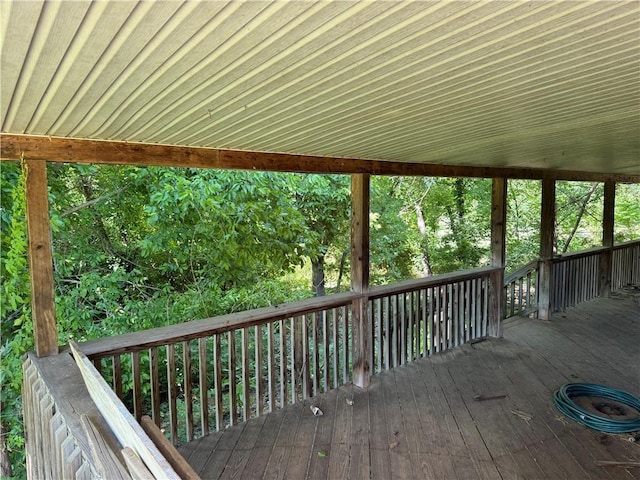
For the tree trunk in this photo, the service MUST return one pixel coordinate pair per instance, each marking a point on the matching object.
(424, 249)
(343, 264)
(583, 208)
(317, 276)
(5, 464)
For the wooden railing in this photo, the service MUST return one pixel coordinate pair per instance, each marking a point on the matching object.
(417, 318)
(521, 292)
(625, 265)
(575, 278)
(201, 376)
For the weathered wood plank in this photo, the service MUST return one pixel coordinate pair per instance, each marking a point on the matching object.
(360, 193)
(40, 258)
(105, 460)
(210, 326)
(68, 150)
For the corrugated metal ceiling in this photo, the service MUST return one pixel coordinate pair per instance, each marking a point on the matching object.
(532, 84)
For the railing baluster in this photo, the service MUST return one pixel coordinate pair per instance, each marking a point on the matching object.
(325, 351)
(336, 346)
(271, 368)
(387, 333)
(425, 322)
(117, 376)
(257, 335)
(316, 353)
(246, 381)
(345, 346)
(283, 364)
(172, 388)
(217, 371)
(188, 388)
(137, 386)
(155, 384)
(233, 403)
(203, 385)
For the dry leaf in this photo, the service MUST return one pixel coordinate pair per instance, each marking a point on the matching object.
(393, 445)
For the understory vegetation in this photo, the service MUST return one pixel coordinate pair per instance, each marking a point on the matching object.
(138, 248)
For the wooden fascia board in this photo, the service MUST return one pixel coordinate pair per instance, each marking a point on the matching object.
(70, 150)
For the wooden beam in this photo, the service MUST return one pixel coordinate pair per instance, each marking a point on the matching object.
(40, 259)
(498, 242)
(547, 232)
(360, 279)
(604, 263)
(56, 149)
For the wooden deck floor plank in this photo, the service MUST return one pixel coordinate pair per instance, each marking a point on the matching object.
(493, 418)
(243, 449)
(380, 463)
(461, 366)
(197, 453)
(219, 457)
(359, 462)
(413, 432)
(436, 420)
(339, 455)
(298, 463)
(277, 464)
(399, 458)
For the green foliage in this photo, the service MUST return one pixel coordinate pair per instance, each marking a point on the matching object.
(15, 311)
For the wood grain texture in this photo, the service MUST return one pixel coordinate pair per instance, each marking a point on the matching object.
(105, 460)
(40, 258)
(190, 330)
(70, 150)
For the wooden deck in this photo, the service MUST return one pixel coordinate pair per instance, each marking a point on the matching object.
(424, 420)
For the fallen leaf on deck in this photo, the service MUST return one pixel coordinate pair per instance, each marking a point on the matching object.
(349, 401)
(322, 453)
(316, 411)
(393, 445)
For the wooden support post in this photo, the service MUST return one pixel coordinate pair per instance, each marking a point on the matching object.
(605, 260)
(40, 259)
(360, 278)
(498, 236)
(547, 232)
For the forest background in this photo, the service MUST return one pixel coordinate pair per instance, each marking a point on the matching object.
(138, 248)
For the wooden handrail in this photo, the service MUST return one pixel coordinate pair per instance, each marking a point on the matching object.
(427, 282)
(137, 341)
(628, 243)
(521, 272)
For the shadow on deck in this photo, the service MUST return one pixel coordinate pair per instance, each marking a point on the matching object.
(483, 410)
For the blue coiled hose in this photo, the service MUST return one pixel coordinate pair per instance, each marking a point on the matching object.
(563, 402)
